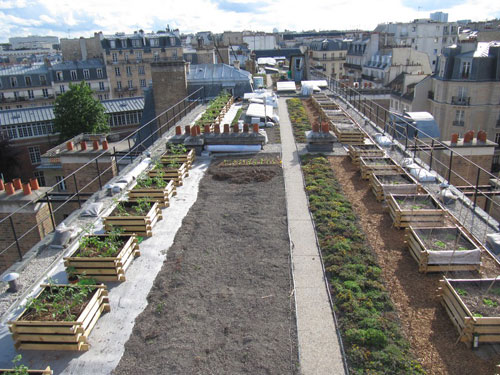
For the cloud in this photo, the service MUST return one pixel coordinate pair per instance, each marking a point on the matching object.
(83, 18)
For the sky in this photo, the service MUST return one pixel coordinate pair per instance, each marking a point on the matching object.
(75, 18)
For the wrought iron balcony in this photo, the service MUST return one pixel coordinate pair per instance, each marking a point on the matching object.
(460, 100)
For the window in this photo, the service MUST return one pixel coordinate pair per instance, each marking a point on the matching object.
(99, 73)
(156, 56)
(86, 74)
(43, 80)
(61, 89)
(73, 75)
(129, 71)
(117, 71)
(45, 93)
(172, 41)
(112, 43)
(101, 86)
(465, 69)
(154, 42)
(34, 152)
(136, 43)
(130, 84)
(138, 55)
(89, 85)
(459, 118)
(141, 69)
(100, 97)
(126, 56)
(462, 92)
(61, 184)
(106, 96)
(114, 55)
(324, 56)
(40, 177)
(13, 81)
(143, 83)
(31, 94)
(59, 76)
(119, 85)
(27, 79)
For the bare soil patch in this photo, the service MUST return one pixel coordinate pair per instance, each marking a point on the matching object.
(431, 334)
(221, 303)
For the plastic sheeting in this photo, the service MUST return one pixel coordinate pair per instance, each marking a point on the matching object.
(92, 210)
(493, 243)
(383, 140)
(455, 257)
(233, 148)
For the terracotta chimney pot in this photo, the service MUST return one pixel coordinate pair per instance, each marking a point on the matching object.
(226, 128)
(245, 128)
(95, 145)
(178, 130)
(83, 145)
(193, 131)
(105, 145)
(255, 128)
(26, 189)
(469, 136)
(482, 136)
(324, 127)
(315, 127)
(206, 129)
(17, 183)
(217, 129)
(9, 188)
(34, 184)
(198, 129)
(236, 128)
(187, 130)
(69, 146)
(454, 138)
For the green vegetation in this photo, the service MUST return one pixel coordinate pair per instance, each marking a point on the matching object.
(140, 207)
(298, 118)
(19, 368)
(213, 109)
(237, 117)
(146, 182)
(461, 292)
(176, 149)
(373, 341)
(101, 246)
(76, 111)
(490, 302)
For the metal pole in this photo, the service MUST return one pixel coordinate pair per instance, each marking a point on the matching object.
(15, 237)
(50, 211)
(449, 167)
(99, 172)
(385, 119)
(130, 151)
(432, 151)
(376, 116)
(77, 191)
(477, 184)
(116, 160)
(416, 140)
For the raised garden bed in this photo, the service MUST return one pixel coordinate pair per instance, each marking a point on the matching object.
(47, 371)
(364, 150)
(60, 317)
(473, 307)
(178, 154)
(383, 185)
(443, 249)
(380, 165)
(299, 119)
(415, 210)
(134, 217)
(103, 257)
(370, 329)
(215, 111)
(172, 171)
(153, 189)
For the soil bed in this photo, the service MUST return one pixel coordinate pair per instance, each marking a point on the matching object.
(482, 299)
(415, 202)
(438, 239)
(131, 209)
(396, 179)
(432, 336)
(221, 303)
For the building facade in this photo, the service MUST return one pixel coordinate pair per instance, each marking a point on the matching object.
(329, 55)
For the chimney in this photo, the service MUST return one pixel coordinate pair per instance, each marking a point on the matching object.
(69, 146)
(95, 145)
(194, 133)
(454, 138)
(187, 129)
(83, 145)
(469, 136)
(17, 183)
(34, 184)
(26, 189)
(9, 188)
(482, 136)
(236, 64)
(105, 145)
(178, 130)
(206, 129)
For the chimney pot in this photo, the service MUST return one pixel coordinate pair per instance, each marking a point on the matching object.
(469, 136)
(198, 129)
(226, 128)
(9, 188)
(217, 129)
(482, 136)
(34, 184)
(17, 183)
(454, 138)
(178, 130)
(69, 146)
(2, 186)
(245, 128)
(315, 127)
(83, 145)
(255, 128)
(105, 145)
(187, 129)
(95, 145)
(236, 128)
(193, 131)
(26, 189)
(206, 129)
(324, 127)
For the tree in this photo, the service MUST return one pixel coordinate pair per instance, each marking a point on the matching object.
(76, 111)
(9, 162)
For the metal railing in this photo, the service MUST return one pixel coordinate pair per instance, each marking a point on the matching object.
(416, 143)
(163, 122)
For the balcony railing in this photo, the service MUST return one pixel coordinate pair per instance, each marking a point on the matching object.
(352, 66)
(458, 123)
(126, 89)
(460, 100)
(371, 78)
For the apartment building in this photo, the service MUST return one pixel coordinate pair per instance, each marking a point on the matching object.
(359, 53)
(34, 85)
(424, 35)
(34, 42)
(329, 55)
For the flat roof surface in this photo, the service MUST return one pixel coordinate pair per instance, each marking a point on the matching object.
(285, 86)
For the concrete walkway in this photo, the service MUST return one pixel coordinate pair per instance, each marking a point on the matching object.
(319, 349)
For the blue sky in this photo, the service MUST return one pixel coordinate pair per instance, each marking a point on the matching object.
(70, 18)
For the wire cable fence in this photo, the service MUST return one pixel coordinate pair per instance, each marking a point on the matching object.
(470, 182)
(134, 144)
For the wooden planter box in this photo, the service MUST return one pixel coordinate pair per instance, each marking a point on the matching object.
(473, 329)
(450, 250)
(139, 225)
(382, 187)
(348, 132)
(381, 166)
(47, 371)
(162, 196)
(60, 335)
(420, 210)
(364, 150)
(187, 158)
(175, 174)
(104, 268)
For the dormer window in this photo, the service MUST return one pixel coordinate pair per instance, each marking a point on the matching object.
(465, 69)
(112, 44)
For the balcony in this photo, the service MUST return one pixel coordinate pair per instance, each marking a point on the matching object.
(371, 78)
(458, 123)
(125, 89)
(460, 100)
(352, 66)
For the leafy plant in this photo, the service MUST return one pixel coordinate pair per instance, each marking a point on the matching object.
(477, 315)
(19, 368)
(461, 292)
(440, 244)
(176, 149)
(298, 118)
(489, 302)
